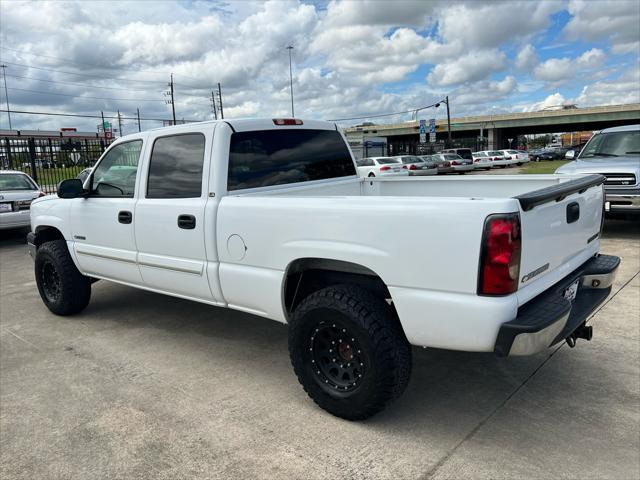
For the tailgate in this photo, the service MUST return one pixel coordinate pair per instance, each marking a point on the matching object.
(558, 224)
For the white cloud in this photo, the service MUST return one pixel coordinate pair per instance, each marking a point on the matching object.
(527, 58)
(624, 89)
(471, 67)
(491, 24)
(559, 70)
(553, 100)
(617, 21)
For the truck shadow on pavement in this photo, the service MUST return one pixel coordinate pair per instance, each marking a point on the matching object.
(445, 385)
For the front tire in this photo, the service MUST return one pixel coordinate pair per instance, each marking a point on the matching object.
(63, 289)
(348, 351)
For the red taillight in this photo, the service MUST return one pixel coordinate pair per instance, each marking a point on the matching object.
(384, 168)
(412, 167)
(500, 255)
(404, 166)
(453, 162)
(507, 158)
(41, 194)
(287, 121)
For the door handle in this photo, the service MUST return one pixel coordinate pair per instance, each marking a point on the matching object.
(125, 216)
(187, 222)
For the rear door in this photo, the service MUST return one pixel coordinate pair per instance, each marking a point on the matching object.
(170, 224)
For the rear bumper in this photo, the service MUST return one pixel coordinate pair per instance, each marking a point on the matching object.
(423, 172)
(623, 201)
(550, 318)
(17, 219)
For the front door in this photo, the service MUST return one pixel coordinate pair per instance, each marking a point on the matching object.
(170, 224)
(102, 223)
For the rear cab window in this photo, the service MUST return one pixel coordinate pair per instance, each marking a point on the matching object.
(265, 158)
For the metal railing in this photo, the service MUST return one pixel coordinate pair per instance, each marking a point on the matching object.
(49, 160)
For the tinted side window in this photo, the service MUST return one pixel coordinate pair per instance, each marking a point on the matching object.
(175, 169)
(115, 175)
(275, 157)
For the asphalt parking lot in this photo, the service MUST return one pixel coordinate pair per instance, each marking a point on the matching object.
(146, 386)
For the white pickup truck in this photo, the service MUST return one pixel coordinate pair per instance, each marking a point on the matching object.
(271, 218)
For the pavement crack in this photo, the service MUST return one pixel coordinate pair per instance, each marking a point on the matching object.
(23, 340)
(433, 470)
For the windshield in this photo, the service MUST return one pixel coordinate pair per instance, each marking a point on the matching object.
(613, 144)
(465, 153)
(499, 154)
(450, 156)
(15, 181)
(387, 160)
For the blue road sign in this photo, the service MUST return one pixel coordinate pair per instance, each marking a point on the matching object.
(432, 125)
(423, 127)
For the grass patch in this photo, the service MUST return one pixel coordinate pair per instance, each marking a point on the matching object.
(544, 166)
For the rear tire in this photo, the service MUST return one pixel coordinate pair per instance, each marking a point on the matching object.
(63, 289)
(348, 351)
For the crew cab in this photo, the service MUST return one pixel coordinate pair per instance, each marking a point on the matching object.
(614, 153)
(270, 217)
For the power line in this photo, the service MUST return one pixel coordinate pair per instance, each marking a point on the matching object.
(79, 115)
(84, 74)
(64, 60)
(385, 114)
(79, 84)
(92, 98)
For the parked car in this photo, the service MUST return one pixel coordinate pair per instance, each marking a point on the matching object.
(418, 166)
(381, 166)
(614, 153)
(482, 160)
(465, 153)
(270, 217)
(516, 156)
(84, 174)
(457, 163)
(542, 155)
(497, 158)
(17, 191)
(443, 166)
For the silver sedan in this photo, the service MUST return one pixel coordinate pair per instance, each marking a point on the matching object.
(418, 166)
(17, 191)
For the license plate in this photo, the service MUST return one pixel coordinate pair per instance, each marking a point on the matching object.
(5, 207)
(571, 291)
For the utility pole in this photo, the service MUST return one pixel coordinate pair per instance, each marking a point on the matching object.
(119, 123)
(6, 94)
(139, 128)
(220, 98)
(446, 100)
(173, 104)
(213, 105)
(104, 131)
(290, 47)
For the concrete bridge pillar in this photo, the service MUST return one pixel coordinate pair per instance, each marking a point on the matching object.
(495, 138)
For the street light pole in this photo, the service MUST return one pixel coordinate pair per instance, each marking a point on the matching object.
(446, 100)
(290, 47)
(6, 94)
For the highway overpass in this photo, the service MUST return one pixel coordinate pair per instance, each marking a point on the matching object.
(497, 129)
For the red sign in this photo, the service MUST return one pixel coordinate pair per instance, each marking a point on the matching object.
(107, 135)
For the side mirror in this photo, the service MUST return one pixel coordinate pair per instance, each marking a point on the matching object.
(570, 155)
(70, 188)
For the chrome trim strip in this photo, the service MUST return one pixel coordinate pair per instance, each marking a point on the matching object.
(175, 269)
(108, 257)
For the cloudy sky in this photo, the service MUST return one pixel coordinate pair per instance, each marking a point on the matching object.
(350, 58)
